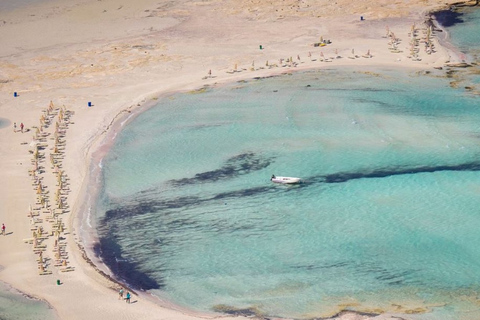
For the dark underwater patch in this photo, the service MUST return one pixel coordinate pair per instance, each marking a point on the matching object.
(243, 193)
(387, 172)
(143, 206)
(139, 207)
(448, 18)
(233, 167)
(167, 213)
(111, 254)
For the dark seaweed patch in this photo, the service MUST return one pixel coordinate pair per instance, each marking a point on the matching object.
(448, 18)
(111, 254)
(233, 167)
(141, 207)
(244, 312)
(243, 193)
(386, 172)
(165, 217)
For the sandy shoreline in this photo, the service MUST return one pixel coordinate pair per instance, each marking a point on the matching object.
(140, 53)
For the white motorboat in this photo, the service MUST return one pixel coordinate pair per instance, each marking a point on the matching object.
(285, 180)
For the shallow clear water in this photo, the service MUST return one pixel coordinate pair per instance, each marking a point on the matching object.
(4, 123)
(7, 5)
(465, 35)
(14, 305)
(387, 213)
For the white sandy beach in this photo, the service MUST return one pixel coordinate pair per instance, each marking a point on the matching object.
(119, 56)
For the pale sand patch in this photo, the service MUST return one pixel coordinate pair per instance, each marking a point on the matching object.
(118, 55)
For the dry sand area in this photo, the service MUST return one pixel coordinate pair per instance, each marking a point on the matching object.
(119, 55)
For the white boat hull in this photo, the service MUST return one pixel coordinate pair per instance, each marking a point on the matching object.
(285, 180)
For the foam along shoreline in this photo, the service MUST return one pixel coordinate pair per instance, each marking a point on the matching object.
(151, 60)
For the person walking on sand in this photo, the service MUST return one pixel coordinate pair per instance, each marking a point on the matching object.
(120, 294)
(21, 127)
(3, 228)
(14, 127)
(127, 299)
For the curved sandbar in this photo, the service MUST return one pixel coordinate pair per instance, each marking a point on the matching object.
(119, 56)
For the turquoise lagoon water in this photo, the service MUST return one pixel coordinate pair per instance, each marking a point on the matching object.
(8, 5)
(14, 305)
(387, 216)
(4, 123)
(465, 35)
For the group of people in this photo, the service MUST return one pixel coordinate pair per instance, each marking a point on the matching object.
(15, 127)
(127, 296)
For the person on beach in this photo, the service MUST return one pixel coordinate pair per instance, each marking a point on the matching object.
(127, 299)
(14, 127)
(3, 228)
(21, 127)
(120, 294)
